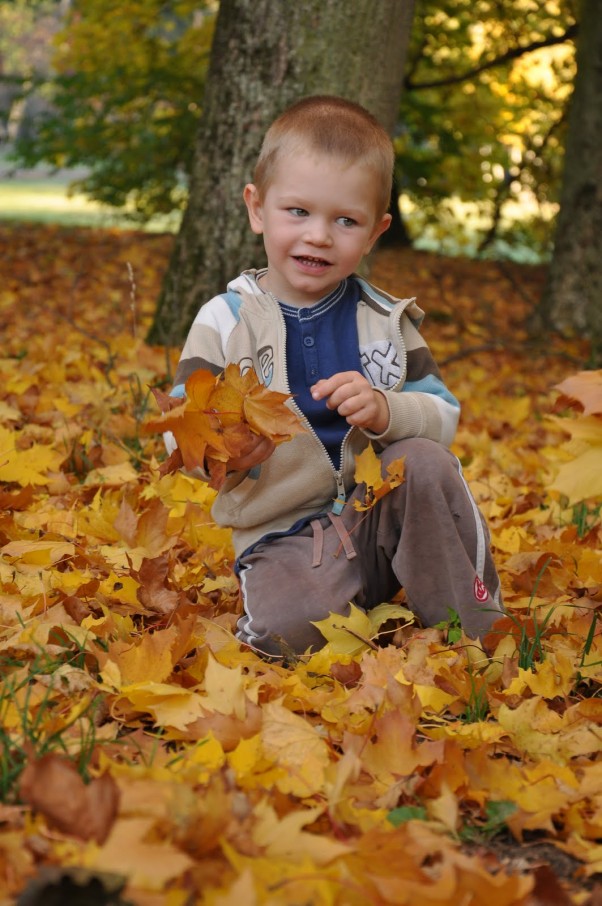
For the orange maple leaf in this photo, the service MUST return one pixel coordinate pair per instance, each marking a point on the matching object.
(586, 388)
(218, 417)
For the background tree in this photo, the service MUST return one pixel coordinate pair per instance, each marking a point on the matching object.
(26, 31)
(265, 54)
(572, 299)
(126, 99)
(482, 119)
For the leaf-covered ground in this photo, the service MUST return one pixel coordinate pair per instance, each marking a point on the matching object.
(147, 759)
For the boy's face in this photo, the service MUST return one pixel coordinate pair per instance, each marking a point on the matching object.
(318, 219)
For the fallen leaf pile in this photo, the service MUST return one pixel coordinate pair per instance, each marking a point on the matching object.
(218, 418)
(145, 758)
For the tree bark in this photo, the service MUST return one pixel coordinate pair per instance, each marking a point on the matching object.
(265, 55)
(571, 303)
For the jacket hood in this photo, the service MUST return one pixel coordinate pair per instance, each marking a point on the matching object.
(246, 284)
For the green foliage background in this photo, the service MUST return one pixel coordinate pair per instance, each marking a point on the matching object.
(126, 94)
(481, 117)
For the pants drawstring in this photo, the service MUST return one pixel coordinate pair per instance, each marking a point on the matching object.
(344, 537)
(318, 542)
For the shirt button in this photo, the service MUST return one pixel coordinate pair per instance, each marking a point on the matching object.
(308, 341)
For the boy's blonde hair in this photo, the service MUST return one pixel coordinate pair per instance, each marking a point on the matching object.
(329, 125)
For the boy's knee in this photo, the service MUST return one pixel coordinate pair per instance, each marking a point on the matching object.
(281, 638)
(424, 458)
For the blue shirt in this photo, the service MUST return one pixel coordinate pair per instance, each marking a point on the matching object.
(322, 340)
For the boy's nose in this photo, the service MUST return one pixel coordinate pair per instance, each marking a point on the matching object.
(317, 233)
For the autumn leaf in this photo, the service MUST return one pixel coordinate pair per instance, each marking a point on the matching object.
(353, 633)
(39, 553)
(218, 418)
(284, 837)
(586, 388)
(368, 472)
(240, 779)
(149, 863)
(52, 786)
(296, 746)
(267, 415)
(26, 466)
(581, 477)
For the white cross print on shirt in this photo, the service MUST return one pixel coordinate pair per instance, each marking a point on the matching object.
(381, 363)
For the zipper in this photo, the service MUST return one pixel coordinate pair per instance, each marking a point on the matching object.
(404, 365)
(339, 502)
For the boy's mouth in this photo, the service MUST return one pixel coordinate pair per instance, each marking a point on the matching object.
(309, 261)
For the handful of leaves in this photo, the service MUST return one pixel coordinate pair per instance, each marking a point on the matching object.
(218, 418)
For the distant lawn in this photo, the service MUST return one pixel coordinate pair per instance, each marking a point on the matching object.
(47, 201)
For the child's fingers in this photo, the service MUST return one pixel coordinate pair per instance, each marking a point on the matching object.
(327, 386)
(259, 449)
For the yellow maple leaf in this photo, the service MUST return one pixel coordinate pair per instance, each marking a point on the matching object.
(580, 478)
(150, 657)
(445, 808)
(224, 688)
(284, 837)
(117, 475)
(295, 745)
(170, 706)
(555, 676)
(149, 865)
(540, 731)
(293, 881)
(39, 553)
(353, 633)
(28, 466)
(368, 471)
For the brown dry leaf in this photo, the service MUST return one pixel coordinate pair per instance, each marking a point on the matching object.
(51, 785)
(153, 592)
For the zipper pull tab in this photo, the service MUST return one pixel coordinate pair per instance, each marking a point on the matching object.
(339, 503)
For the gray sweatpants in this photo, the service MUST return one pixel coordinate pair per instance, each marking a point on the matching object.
(427, 536)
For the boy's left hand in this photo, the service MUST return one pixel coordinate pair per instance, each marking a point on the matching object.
(352, 395)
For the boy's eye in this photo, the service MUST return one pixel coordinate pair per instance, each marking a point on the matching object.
(298, 212)
(346, 221)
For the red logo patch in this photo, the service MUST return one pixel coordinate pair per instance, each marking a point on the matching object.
(480, 592)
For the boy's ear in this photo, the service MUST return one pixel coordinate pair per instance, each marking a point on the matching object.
(380, 227)
(254, 207)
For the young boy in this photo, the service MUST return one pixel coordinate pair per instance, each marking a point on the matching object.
(360, 373)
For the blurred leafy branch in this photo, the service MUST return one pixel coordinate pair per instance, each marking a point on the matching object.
(481, 119)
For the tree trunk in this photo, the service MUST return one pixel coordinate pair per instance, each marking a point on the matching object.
(571, 302)
(265, 55)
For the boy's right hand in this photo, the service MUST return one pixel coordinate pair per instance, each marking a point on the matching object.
(256, 451)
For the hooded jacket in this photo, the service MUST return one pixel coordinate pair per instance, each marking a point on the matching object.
(245, 325)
